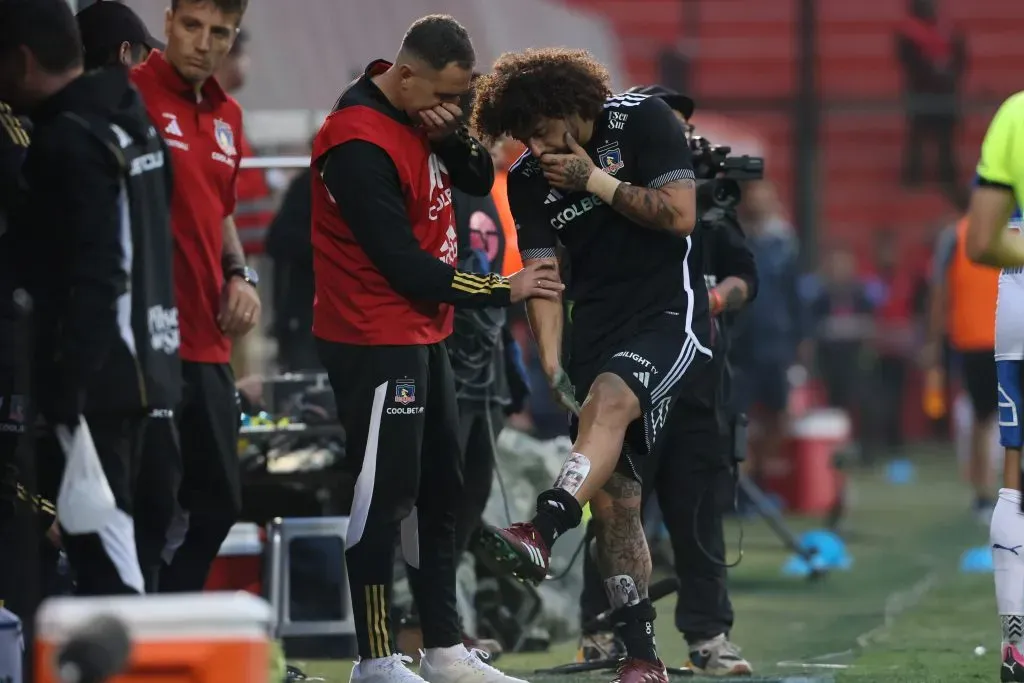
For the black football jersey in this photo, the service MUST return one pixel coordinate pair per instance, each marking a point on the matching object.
(622, 275)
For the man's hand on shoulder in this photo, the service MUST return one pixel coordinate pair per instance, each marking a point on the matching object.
(239, 307)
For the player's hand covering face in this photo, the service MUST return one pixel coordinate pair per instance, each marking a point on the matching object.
(568, 171)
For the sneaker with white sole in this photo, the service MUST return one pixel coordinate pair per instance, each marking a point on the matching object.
(718, 657)
(469, 669)
(391, 669)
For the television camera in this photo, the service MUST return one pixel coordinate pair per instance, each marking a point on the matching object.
(719, 174)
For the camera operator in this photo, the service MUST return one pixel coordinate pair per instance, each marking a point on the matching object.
(693, 480)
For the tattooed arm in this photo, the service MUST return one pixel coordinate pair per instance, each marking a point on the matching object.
(663, 193)
(670, 204)
(671, 207)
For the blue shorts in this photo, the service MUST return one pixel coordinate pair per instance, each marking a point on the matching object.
(1008, 372)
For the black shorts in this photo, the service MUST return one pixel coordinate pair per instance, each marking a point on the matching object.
(979, 375)
(661, 362)
(397, 405)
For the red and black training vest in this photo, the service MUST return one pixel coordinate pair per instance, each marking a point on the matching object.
(354, 303)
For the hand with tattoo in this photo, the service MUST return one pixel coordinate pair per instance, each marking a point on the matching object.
(568, 171)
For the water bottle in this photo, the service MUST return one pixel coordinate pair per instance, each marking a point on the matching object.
(11, 647)
(934, 397)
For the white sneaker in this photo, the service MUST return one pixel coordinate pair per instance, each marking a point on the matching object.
(469, 669)
(391, 669)
(718, 657)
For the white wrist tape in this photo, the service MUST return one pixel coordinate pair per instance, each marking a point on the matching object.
(602, 185)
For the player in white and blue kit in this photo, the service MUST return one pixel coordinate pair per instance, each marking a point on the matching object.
(1010, 350)
(995, 239)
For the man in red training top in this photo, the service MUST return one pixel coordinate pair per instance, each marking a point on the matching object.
(215, 289)
(384, 249)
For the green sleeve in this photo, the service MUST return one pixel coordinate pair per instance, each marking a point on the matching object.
(1006, 131)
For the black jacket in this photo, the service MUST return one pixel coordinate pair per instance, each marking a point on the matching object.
(94, 242)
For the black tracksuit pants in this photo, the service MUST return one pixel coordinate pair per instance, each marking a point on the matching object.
(398, 407)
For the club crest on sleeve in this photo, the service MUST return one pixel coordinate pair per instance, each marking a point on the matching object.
(610, 157)
(405, 392)
(225, 137)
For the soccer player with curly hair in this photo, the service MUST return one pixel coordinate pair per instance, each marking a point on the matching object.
(610, 178)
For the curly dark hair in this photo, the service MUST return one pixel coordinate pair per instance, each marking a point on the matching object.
(551, 82)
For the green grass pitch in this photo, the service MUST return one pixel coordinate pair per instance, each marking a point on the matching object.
(903, 613)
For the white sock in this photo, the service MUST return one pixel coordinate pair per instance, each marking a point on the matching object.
(1006, 534)
(445, 656)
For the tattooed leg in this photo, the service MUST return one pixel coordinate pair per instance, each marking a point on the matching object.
(625, 563)
(621, 543)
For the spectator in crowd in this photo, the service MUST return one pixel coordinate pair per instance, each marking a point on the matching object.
(898, 286)
(113, 34)
(842, 308)
(773, 333)
(963, 306)
(934, 58)
(216, 290)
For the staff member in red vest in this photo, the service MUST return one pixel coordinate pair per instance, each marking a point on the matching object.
(215, 290)
(384, 254)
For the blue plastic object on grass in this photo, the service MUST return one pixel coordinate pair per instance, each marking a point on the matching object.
(830, 554)
(900, 472)
(799, 567)
(976, 560)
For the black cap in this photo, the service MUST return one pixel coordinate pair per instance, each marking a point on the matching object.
(105, 25)
(681, 103)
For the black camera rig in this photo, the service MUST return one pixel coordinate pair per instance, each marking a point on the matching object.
(718, 174)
